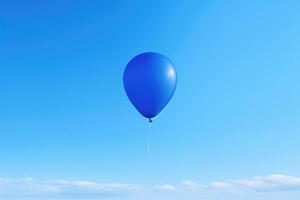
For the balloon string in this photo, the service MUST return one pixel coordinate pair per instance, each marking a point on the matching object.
(148, 146)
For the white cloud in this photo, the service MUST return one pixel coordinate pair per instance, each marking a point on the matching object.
(271, 183)
(28, 187)
(192, 185)
(167, 187)
(222, 185)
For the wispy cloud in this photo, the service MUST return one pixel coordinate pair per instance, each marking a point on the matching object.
(270, 183)
(222, 185)
(29, 188)
(192, 185)
(167, 187)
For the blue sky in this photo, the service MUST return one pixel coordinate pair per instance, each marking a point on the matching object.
(234, 116)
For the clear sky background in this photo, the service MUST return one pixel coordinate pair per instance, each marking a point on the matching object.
(65, 118)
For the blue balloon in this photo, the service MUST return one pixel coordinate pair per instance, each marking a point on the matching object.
(150, 82)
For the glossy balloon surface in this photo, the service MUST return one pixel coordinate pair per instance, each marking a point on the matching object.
(150, 81)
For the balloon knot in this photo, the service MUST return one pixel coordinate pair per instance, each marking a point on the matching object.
(150, 120)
